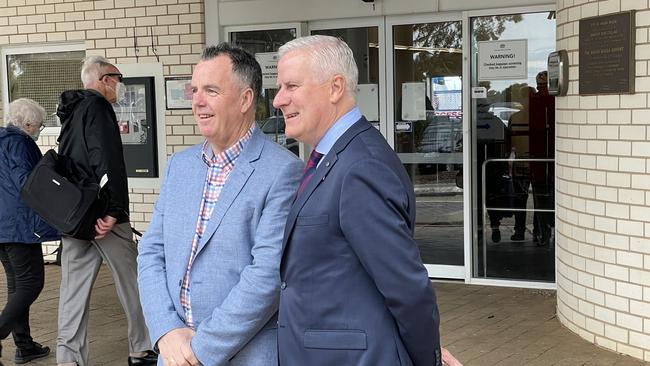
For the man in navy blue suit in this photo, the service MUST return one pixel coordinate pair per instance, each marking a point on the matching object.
(354, 289)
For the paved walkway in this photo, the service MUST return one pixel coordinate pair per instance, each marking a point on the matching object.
(482, 326)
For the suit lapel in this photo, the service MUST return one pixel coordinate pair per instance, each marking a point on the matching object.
(326, 165)
(244, 167)
(194, 185)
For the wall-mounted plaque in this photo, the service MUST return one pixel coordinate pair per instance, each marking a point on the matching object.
(606, 46)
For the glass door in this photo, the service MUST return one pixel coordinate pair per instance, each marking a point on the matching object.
(365, 38)
(426, 129)
(264, 44)
(513, 130)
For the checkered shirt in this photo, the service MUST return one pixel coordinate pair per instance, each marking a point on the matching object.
(219, 168)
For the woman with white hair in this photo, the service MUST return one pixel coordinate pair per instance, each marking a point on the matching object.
(21, 230)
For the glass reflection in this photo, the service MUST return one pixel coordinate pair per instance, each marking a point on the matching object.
(269, 120)
(514, 131)
(428, 132)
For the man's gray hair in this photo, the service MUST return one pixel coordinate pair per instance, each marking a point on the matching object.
(23, 111)
(328, 56)
(93, 68)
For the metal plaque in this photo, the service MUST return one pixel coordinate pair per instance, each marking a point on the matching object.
(606, 46)
(558, 73)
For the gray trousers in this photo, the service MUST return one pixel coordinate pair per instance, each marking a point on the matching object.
(80, 264)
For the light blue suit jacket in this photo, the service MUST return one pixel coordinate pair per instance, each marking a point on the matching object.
(234, 281)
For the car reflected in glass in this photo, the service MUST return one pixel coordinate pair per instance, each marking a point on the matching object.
(273, 128)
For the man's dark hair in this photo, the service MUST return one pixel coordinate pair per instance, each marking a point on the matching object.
(244, 65)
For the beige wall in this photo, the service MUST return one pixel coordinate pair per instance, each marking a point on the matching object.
(108, 27)
(603, 192)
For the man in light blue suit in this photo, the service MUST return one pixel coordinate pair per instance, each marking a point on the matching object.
(209, 261)
(354, 289)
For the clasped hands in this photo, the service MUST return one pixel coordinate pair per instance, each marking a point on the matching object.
(176, 349)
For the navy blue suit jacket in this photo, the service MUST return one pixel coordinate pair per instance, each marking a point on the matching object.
(354, 289)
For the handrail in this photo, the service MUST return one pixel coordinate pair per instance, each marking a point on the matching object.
(484, 198)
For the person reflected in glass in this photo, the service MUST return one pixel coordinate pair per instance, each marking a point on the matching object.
(519, 127)
(542, 146)
(491, 135)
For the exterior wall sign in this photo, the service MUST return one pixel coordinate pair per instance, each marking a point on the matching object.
(502, 60)
(479, 92)
(368, 100)
(269, 63)
(606, 45)
(413, 101)
(558, 72)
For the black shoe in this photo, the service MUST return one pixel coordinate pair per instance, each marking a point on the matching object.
(496, 235)
(517, 237)
(150, 359)
(24, 355)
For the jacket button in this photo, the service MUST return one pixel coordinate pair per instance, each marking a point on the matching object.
(283, 285)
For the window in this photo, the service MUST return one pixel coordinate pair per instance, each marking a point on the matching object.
(264, 45)
(41, 74)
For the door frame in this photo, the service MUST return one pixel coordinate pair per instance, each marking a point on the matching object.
(435, 270)
(387, 110)
(471, 237)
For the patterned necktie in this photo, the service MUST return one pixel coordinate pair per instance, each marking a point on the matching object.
(310, 169)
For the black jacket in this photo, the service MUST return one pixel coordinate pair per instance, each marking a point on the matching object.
(90, 136)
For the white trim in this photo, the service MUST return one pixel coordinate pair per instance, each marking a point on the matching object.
(445, 271)
(154, 70)
(390, 83)
(468, 149)
(513, 283)
(363, 23)
(32, 49)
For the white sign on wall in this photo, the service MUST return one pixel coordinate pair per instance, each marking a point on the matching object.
(479, 92)
(413, 106)
(368, 100)
(269, 63)
(499, 60)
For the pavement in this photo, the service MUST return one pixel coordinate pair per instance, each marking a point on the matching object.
(481, 325)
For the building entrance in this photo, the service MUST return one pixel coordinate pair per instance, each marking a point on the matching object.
(513, 128)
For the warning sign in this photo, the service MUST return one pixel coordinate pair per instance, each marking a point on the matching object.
(269, 63)
(501, 60)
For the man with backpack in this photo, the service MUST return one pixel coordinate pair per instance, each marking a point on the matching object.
(90, 137)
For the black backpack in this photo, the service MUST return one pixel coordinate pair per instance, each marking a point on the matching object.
(64, 196)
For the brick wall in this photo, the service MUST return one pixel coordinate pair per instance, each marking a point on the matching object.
(112, 28)
(603, 192)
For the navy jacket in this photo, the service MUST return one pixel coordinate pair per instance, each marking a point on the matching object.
(18, 223)
(354, 290)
